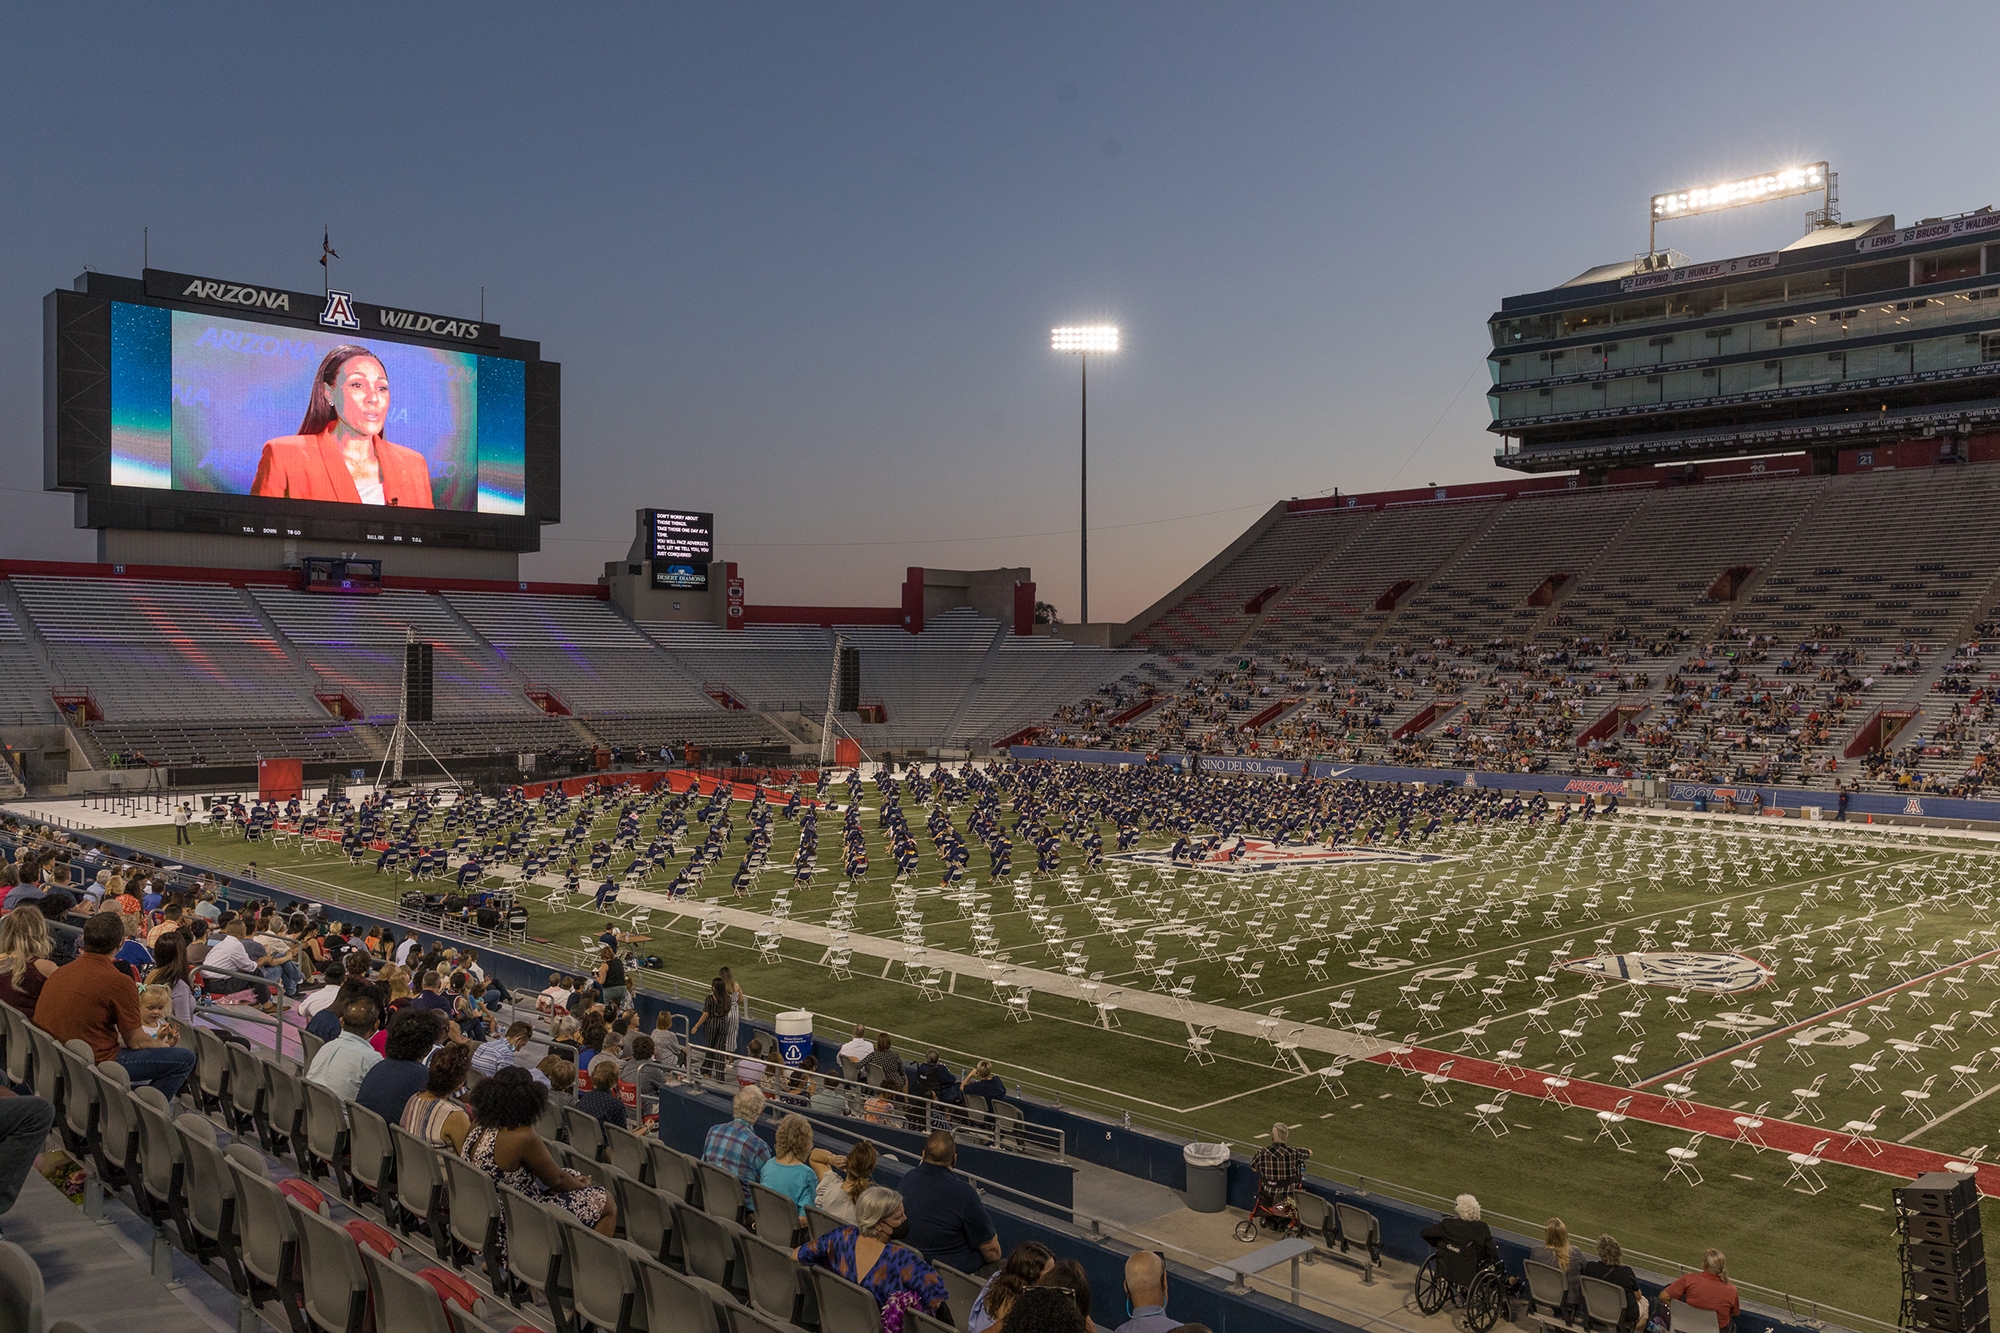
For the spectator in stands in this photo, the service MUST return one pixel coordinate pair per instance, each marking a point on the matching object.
(1556, 1251)
(1610, 1265)
(227, 954)
(947, 1220)
(855, 1053)
(156, 1008)
(1067, 1276)
(886, 1063)
(751, 1069)
(1465, 1230)
(65, 940)
(1146, 1295)
(90, 1000)
(934, 1079)
(738, 1001)
(645, 1073)
(842, 1179)
(499, 1053)
(434, 1114)
(401, 1074)
(866, 1253)
(790, 1171)
(26, 890)
(343, 1062)
(554, 998)
(883, 1104)
(407, 949)
(1024, 1267)
(594, 1036)
(1708, 1289)
(561, 1076)
(734, 1146)
(601, 1099)
(170, 969)
(984, 1083)
(133, 953)
(1280, 1168)
(503, 1143)
(430, 997)
(24, 959)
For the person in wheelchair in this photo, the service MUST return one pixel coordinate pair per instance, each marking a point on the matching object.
(1281, 1171)
(1464, 1268)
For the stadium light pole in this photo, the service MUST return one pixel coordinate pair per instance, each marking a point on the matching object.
(1080, 341)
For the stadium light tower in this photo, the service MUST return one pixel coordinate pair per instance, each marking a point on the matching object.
(1813, 178)
(1080, 341)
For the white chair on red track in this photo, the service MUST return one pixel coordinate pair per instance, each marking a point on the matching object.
(1861, 1133)
(1437, 1086)
(1556, 1086)
(1968, 1163)
(1680, 1094)
(1749, 1129)
(1510, 1059)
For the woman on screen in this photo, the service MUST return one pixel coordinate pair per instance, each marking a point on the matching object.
(339, 453)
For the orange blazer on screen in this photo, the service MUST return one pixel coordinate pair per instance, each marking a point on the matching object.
(310, 467)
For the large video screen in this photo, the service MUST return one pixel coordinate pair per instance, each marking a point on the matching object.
(208, 403)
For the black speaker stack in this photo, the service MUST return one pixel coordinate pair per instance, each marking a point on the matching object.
(1944, 1256)
(417, 680)
(850, 679)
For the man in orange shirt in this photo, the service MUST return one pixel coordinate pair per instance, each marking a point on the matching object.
(90, 1000)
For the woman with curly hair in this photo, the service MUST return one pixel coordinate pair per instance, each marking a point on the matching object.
(503, 1143)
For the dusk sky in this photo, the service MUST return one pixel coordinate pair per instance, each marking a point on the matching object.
(800, 262)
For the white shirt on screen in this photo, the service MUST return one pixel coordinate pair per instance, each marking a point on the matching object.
(371, 491)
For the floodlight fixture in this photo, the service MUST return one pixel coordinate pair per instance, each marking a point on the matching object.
(1081, 340)
(1814, 177)
(1084, 338)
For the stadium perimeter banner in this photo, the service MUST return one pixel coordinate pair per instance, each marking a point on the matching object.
(1776, 799)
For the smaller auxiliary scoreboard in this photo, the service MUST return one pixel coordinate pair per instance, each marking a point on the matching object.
(680, 544)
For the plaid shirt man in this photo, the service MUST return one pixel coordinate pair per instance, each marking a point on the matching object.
(735, 1147)
(1280, 1168)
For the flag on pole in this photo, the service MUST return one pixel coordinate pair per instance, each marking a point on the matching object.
(326, 249)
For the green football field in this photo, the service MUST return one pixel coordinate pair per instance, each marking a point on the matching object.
(1890, 932)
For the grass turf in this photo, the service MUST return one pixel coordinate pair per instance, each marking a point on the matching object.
(1917, 896)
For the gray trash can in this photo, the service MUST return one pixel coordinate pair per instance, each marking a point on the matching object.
(1207, 1176)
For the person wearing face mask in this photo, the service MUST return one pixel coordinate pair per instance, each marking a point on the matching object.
(340, 453)
(867, 1253)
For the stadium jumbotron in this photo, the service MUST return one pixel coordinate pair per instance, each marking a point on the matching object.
(1612, 845)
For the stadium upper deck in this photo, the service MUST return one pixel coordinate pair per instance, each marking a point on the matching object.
(1859, 333)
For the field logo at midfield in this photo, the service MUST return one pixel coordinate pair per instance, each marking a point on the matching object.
(1709, 973)
(1260, 854)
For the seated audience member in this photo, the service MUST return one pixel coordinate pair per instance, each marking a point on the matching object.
(1466, 1231)
(750, 1070)
(434, 1114)
(65, 940)
(227, 953)
(897, 1276)
(1556, 1251)
(387, 1088)
(855, 1053)
(170, 969)
(933, 1078)
(1708, 1289)
(789, 1171)
(156, 1014)
(24, 959)
(1045, 1310)
(343, 1062)
(842, 1179)
(503, 1143)
(948, 1223)
(1146, 1295)
(1024, 1267)
(493, 1056)
(886, 1063)
(1280, 1168)
(561, 1078)
(982, 1083)
(1610, 1265)
(601, 1099)
(734, 1146)
(1067, 1276)
(24, 1131)
(883, 1104)
(828, 1098)
(92, 1001)
(646, 1074)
